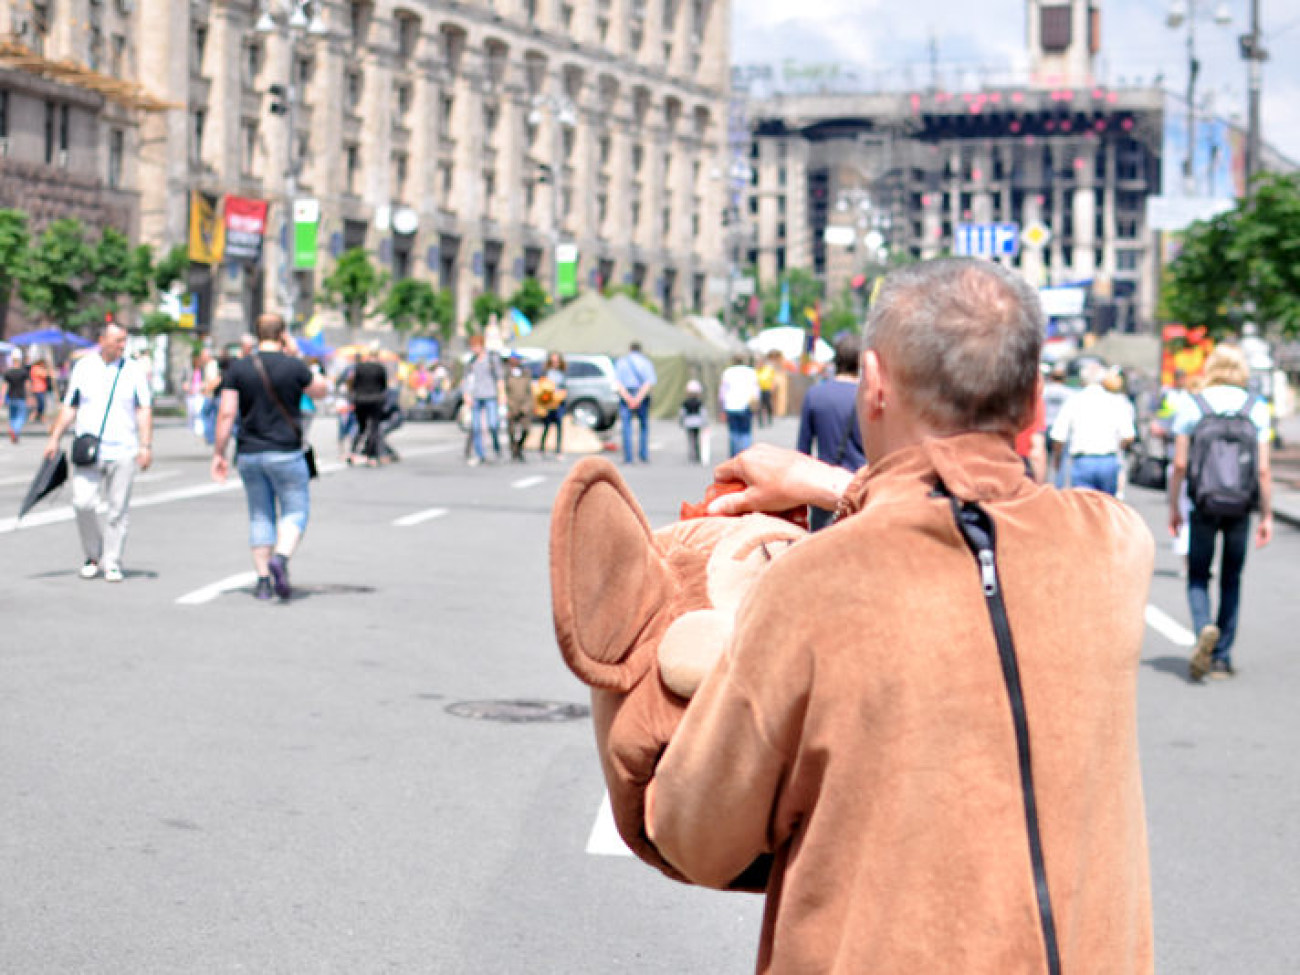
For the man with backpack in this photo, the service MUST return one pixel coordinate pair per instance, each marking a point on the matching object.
(1221, 448)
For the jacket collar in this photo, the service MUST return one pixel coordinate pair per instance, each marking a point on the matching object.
(972, 466)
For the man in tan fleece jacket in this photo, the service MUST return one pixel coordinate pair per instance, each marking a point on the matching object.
(927, 718)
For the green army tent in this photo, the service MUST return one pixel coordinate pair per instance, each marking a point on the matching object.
(594, 325)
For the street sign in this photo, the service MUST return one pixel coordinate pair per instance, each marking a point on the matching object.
(987, 239)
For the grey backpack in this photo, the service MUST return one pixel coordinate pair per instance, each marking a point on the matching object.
(1223, 461)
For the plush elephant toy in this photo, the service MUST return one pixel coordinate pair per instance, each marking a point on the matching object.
(642, 616)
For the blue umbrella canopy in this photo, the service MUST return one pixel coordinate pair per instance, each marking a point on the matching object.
(50, 336)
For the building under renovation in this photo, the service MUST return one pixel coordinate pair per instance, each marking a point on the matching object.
(1049, 173)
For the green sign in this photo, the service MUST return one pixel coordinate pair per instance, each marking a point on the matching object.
(306, 221)
(566, 264)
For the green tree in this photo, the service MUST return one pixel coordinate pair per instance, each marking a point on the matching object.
(171, 267)
(1242, 264)
(354, 285)
(444, 313)
(484, 307)
(841, 316)
(56, 273)
(409, 305)
(531, 299)
(805, 291)
(14, 241)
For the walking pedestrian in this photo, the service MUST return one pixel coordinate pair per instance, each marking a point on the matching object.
(862, 750)
(829, 420)
(552, 391)
(766, 389)
(694, 419)
(1227, 478)
(635, 376)
(369, 386)
(40, 379)
(263, 390)
(1094, 426)
(485, 390)
(519, 405)
(738, 393)
(109, 407)
(16, 378)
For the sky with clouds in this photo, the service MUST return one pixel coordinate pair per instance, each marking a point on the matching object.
(895, 38)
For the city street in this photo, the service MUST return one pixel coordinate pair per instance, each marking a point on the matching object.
(193, 781)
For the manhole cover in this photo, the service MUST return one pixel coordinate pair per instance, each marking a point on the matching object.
(519, 712)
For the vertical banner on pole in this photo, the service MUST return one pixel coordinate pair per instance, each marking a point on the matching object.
(566, 260)
(306, 222)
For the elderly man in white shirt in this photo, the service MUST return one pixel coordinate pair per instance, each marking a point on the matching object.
(1094, 425)
(108, 398)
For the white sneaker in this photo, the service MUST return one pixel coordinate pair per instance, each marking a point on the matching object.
(89, 570)
(112, 573)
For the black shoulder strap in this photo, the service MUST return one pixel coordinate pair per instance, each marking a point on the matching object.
(1202, 404)
(270, 391)
(103, 424)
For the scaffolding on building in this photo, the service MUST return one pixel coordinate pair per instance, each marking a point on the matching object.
(129, 94)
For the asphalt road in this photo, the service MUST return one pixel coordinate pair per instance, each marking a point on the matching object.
(192, 781)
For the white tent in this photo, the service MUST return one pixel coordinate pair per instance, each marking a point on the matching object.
(790, 342)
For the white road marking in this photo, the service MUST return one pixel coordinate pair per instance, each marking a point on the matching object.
(208, 593)
(527, 482)
(406, 521)
(151, 476)
(1169, 628)
(604, 840)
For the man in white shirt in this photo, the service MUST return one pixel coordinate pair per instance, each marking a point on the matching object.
(108, 398)
(1094, 425)
(739, 393)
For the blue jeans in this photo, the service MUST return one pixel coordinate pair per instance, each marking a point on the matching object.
(270, 477)
(1204, 532)
(481, 408)
(740, 430)
(625, 415)
(1101, 473)
(17, 415)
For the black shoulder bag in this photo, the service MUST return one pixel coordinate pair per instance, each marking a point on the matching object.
(85, 446)
(308, 453)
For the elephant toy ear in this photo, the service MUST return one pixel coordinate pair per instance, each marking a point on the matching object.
(609, 583)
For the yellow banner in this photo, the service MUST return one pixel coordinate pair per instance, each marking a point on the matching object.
(207, 231)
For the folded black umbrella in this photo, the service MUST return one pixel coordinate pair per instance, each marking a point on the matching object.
(53, 472)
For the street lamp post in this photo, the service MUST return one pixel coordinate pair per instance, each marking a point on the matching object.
(1184, 12)
(563, 115)
(1252, 50)
(297, 23)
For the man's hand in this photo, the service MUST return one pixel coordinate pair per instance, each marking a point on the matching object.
(776, 479)
(1264, 531)
(51, 448)
(1175, 520)
(220, 467)
(144, 458)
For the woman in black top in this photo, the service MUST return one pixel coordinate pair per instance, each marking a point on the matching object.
(369, 384)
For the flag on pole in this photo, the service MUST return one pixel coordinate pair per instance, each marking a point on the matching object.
(312, 328)
(783, 316)
(522, 323)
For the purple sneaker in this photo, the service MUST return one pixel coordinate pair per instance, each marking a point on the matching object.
(278, 566)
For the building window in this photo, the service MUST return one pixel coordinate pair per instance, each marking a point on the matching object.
(117, 65)
(304, 69)
(42, 17)
(566, 16)
(602, 209)
(403, 100)
(408, 35)
(65, 141)
(4, 122)
(604, 150)
(254, 54)
(490, 117)
(200, 42)
(1127, 260)
(445, 182)
(636, 214)
(51, 115)
(352, 155)
(355, 84)
(95, 56)
(668, 221)
(247, 146)
(1054, 27)
(567, 142)
(448, 109)
(489, 190)
(401, 164)
(359, 20)
(116, 153)
(638, 158)
(198, 122)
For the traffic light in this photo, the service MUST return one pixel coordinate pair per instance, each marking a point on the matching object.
(279, 100)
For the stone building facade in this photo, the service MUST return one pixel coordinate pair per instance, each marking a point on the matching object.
(457, 140)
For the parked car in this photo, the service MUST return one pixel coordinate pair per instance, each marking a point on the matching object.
(592, 390)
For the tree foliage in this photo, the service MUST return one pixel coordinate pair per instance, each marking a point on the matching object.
(805, 291)
(354, 285)
(14, 240)
(485, 307)
(532, 299)
(1242, 264)
(54, 275)
(409, 305)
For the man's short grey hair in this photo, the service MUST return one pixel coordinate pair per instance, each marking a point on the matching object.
(961, 339)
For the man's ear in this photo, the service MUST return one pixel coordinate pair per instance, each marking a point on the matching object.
(871, 386)
(609, 583)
